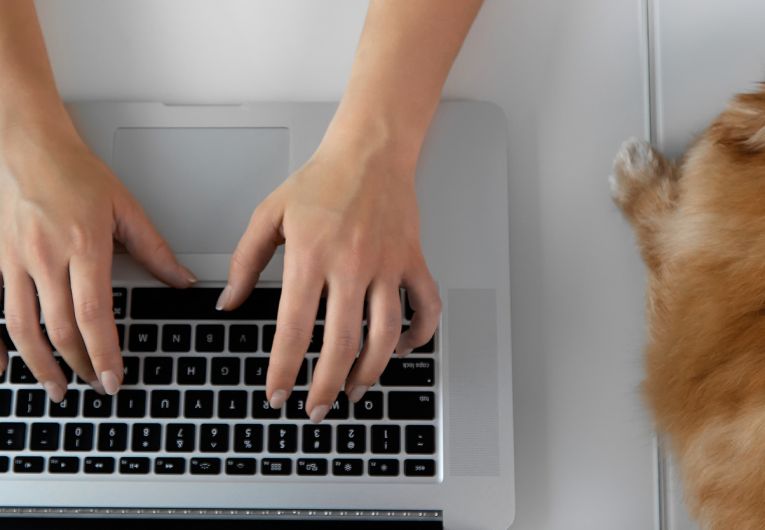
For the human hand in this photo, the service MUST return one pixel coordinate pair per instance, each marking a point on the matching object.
(60, 210)
(350, 226)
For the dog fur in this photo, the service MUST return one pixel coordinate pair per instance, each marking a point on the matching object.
(700, 225)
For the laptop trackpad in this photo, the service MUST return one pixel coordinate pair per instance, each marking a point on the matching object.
(200, 185)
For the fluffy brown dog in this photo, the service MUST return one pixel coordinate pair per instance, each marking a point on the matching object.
(701, 229)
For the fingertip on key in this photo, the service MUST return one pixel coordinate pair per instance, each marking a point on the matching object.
(278, 398)
(318, 413)
(55, 391)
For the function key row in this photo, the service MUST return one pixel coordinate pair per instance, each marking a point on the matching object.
(217, 438)
(201, 404)
(340, 467)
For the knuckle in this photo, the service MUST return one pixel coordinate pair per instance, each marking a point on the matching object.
(239, 259)
(346, 344)
(18, 327)
(82, 239)
(61, 334)
(92, 310)
(293, 333)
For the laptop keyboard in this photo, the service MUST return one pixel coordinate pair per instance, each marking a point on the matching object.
(193, 402)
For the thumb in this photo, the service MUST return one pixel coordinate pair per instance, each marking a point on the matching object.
(147, 246)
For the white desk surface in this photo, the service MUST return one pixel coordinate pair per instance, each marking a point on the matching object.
(571, 78)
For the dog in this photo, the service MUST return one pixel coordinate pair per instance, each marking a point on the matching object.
(700, 226)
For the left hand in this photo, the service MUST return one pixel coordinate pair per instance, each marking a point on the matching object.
(350, 224)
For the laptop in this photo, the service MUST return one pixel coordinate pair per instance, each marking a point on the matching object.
(190, 440)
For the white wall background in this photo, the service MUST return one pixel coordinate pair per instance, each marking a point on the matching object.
(569, 75)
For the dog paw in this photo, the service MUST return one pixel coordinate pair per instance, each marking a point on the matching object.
(634, 167)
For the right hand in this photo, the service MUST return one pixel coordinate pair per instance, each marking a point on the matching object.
(61, 208)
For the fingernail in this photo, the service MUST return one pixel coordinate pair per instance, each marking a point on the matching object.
(55, 391)
(225, 296)
(403, 352)
(111, 384)
(277, 399)
(318, 413)
(357, 392)
(97, 386)
(190, 277)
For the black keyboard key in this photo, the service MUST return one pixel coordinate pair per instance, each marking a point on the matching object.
(312, 466)
(232, 404)
(411, 405)
(30, 403)
(63, 465)
(65, 368)
(95, 405)
(205, 466)
(121, 336)
(44, 437)
(12, 436)
(276, 466)
(260, 407)
(420, 468)
(383, 467)
(255, 370)
(248, 438)
(176, 338)
(296, 405)
(5, 402)
(112, 437)
(67, 408)
(131, 404)
(134, 466)
(181, 438)
(170, 466)
(210, 337)
(147, 437)
(409, 372)
(370, 407)
(28, 464)
(386, 439)
(158, 370)
(339, 409)
(198, 404)
(351, 438)
(165, 403)
(317, 338)
(243, 338)
(214, 438)
(420, 439)
(347, 467)
(142, 338)
(240, 466)
(225, 371)
(317, 438)
(99, 465)
(4, 464)
(20, 372)
(282, 438)
(161, 303)
(119, 302)
(131, 371)
(78, 437)
(6, 338)
(192, 370)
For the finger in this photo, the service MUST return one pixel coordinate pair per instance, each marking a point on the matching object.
(384, 317)
(342, 332)
(424, 299)
(56, 303)
(3, 346)
(22, 320)
(148, 247)
(298, 305)
(92, 296)
(252, 254)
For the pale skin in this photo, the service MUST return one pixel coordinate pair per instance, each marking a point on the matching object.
(348, 218)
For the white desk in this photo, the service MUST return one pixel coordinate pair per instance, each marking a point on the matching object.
(571, 78)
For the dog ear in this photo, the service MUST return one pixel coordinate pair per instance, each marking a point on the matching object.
(741, 127)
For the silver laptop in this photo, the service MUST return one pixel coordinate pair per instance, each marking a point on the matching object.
(190, 436)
